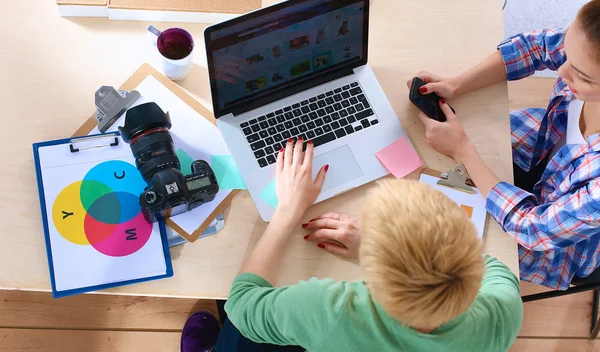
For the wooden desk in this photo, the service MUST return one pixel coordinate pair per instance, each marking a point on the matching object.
(50, 68)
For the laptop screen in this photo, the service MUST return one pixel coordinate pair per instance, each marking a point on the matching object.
(265, 52)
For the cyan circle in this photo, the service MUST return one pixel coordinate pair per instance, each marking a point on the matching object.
(119, 176)
(106, 209)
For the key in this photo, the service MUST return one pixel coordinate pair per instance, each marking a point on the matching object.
(337, 90)
(328, 137)
(329, 100)
(278, 112)
(311, 125)
(296, 106)
(253, 138)
(245, 124)
(264, 124)
(310, 135)
(356, 129)
(269, 150)
(329, 109)
(297, 112)
(355, 91)
(272, 122)
(349, 129)
(313, 106)
(337, 106)
(345, 103)
(303, 128)
(351, 119)
(287, 108)
(361, 115)
(305, 110)
(313, 99)
(271, 159)
(262, 162)
(327, 119)
(321, 112)
(264, 134)
(269, 140)
(340, 133)
(280, 118)
(269, 115)
(258, 145)
(351, 110)
(255, 128)
(327, 128)
(337, 97)
(335, 125)
(346, 87)
(343, 122)
(294, 131)
(280, 128)
(296, 121)
(365, 123)
(353, 84)
(305, 118)
(343, 113)
(259, 153)
(345, 95)
(319, 122)
(374, 122)
(335, 116)
(330, 93)
(319, 131)
(288, 124)
(359, 107)
(288, 115)
(353, 100)
(271, 131)
(321, 96)
(247, 131)
(278, 138)
(321, 103)
(304, 102)
(253, 121)
(313, 115)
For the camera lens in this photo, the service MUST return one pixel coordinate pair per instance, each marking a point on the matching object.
(146, 129)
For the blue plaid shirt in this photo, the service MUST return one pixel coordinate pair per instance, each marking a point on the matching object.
(558, 226)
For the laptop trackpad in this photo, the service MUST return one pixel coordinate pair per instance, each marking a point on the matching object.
(343, 167)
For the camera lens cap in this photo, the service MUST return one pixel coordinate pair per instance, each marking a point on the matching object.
(150, 197)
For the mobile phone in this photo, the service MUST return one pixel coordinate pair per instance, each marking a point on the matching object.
(428, 103)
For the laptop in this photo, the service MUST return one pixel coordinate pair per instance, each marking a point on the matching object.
(299, 68)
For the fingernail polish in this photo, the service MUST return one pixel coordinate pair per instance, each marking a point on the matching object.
(281, 150)
(443, 101)
(310, 142)
(299, 138)
(304, 225)
(321, 245)
(423, 90)
(290, 140)
(326, 167)
(306, 237)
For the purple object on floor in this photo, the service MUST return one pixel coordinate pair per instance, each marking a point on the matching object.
(200, 332)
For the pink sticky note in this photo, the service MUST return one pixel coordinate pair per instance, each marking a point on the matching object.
(399, 158)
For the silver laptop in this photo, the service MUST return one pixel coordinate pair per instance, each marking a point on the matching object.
(299, 68)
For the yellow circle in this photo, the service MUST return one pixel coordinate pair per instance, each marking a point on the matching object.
(68, 214)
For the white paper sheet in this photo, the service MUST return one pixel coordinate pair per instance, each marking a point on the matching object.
(109, 259)
(474, 201)
(191, 132)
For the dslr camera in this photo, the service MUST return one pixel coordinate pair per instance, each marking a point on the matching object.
(169, 192)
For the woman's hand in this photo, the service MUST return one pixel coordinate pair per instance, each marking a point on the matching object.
(448, 138)
(337, 233)
(444, 87)
(295, 188)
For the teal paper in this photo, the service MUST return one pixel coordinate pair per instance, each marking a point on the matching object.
(227, 173)
(185, 161)
(269, 195)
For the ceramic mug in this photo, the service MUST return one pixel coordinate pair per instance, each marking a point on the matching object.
(176, 48)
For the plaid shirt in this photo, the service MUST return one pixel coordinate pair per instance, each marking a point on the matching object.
(558, 226)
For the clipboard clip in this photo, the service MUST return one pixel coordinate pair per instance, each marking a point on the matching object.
(101, 141)
(457, 179)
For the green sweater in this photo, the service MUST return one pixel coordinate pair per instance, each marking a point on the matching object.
(325, 315)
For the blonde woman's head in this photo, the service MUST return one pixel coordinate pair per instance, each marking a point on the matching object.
(420, 254)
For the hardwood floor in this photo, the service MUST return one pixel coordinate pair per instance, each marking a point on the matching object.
(34, 321)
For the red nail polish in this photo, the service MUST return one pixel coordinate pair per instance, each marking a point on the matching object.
(299, 138)
(306, 237)
(281, 150)
(290, 140)
(304, 225)
(326, 167)
(321, 245)
(443, 101)
(310, 142)
(423, 90)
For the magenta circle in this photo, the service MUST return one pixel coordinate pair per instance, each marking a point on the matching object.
(127, 238)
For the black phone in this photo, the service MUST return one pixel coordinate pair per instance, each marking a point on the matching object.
(428, 103)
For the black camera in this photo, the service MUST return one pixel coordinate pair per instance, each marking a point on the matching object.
(169, 192)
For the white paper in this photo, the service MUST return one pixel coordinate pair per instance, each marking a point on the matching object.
(191, 132)
(475, 201)
(79, 265)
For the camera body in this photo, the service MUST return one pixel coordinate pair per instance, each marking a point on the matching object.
(169, 191)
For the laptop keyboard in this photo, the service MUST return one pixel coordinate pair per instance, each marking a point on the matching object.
(321, 119)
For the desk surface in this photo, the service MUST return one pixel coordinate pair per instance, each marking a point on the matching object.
(51, 67)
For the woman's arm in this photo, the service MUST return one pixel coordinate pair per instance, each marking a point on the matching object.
(489, 71)
(296, 191)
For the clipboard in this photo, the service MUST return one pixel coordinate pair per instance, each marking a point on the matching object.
(77, 146)
(130, 84)
(455, 178)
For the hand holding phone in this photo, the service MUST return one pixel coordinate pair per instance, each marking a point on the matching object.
(428, 103)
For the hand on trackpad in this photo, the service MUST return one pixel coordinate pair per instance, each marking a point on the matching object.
(343, 167)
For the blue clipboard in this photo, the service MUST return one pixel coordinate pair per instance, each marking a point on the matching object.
(38, 171)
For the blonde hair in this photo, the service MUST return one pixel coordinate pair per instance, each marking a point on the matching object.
(420, 254)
